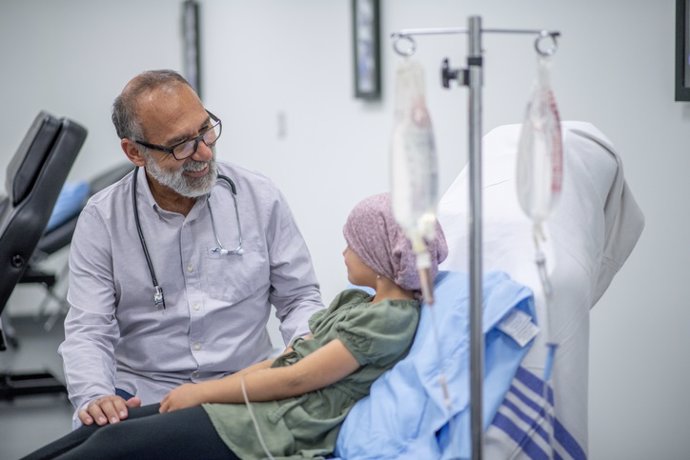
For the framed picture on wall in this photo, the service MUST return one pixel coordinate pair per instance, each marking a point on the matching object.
(191, 44)
(366, 46)
(682, 50)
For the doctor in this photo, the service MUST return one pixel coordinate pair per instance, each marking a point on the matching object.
(173, 270)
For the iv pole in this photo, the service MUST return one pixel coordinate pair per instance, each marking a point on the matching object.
(472, 78)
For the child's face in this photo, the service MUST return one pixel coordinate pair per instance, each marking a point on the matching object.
(358, 273)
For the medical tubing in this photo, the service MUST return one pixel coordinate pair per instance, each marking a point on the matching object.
(549, 408)
(423, 265)
(426, 285)
(221, 249)
(253, 417)
(154, 280)
(233, 189)
(230, 183)
(540, 260)
(442, 380)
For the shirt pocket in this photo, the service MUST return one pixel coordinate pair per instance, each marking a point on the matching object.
(232, 278)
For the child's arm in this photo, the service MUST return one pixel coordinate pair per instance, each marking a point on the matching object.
(267, 362)
(255, 367)
(319, 369)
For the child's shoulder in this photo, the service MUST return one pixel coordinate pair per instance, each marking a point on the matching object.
(351, 296)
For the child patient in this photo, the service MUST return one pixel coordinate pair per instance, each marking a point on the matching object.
(299, 400)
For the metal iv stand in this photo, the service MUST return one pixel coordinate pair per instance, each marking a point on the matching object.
(472, 78)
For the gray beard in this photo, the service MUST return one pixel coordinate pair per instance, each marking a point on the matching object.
(190, 187)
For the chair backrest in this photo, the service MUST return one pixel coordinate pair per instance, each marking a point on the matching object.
(35, 176)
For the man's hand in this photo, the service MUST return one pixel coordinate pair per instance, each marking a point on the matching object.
(107, 409)
(187, 395)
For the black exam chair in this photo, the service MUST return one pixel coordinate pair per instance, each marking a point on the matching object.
(35, 177)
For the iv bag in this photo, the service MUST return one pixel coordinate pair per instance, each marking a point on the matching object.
(540, 151)
(539, 182)
(414, 180)
(413, 159)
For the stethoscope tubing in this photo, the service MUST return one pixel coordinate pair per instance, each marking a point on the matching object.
(158, 297)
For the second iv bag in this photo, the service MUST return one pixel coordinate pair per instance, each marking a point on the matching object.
(540, 151)
(539, 183)
(414, 166)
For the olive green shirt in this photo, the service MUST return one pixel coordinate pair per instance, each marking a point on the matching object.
(378, 336)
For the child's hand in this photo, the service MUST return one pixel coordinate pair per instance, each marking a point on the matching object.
(187, 395)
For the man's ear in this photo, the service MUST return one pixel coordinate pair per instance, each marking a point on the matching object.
(131, 149)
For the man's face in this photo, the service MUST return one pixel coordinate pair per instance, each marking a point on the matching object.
(169, 116)
(193, 179)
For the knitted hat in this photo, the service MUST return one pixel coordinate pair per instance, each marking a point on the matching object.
(373, 234)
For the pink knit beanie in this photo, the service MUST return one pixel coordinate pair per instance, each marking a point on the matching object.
(373, 234)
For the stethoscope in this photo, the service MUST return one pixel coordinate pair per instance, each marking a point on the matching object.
(158, 297)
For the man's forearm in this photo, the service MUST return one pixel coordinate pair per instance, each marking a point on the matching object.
(87, 355)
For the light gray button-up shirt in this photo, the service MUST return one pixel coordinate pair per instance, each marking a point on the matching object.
(217, 305)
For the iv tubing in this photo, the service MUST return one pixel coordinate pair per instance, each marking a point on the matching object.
(253, 417)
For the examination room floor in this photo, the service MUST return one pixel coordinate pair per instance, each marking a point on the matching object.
(28, 422)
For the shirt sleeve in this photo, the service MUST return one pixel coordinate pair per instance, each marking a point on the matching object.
(294, 289)
(91, 329)
(380, 333)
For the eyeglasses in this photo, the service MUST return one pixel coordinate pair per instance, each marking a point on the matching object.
(187, 148)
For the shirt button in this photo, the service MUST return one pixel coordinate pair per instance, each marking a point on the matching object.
(197, 346)
(190, 269)
(196, 307)
(195, 374)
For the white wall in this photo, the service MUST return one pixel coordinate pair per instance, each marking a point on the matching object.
(71, 58)
(270, 59)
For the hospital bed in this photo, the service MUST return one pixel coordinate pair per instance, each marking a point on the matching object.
(590, 234)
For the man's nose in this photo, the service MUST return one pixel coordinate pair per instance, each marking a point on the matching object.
(203, 152)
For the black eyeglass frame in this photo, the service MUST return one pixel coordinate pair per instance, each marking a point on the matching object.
(197, 139)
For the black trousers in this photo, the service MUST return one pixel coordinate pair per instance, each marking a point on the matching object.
(145, 434)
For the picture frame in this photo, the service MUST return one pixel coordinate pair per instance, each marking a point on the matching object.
(191, 44)
(682, 50)
(367, 49)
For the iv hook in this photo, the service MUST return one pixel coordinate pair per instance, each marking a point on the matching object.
(539, 43)
(405, 51)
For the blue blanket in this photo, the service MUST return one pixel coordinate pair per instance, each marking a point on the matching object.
(405, 416)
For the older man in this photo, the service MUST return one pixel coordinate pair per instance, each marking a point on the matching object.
(173, 270)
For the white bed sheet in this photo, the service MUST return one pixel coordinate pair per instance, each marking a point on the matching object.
(591, 232)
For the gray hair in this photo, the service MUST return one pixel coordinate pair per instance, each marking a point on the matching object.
(124, 114)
